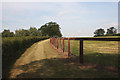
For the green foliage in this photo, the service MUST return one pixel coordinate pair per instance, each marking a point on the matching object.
(34, 32)
(31, 32)
(111, 31)
(51, 29)
(13, 47)
(7, 33)
(13, 44)
(99, 32)
(21, 32)
(117, 34)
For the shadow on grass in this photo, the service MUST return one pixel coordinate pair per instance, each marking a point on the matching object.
(102, 59)
(64, 68)
(7, 63)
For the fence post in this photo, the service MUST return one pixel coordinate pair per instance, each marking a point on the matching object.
(55, 43)
(81, 52)
(63, 44)
(52, 41)
(59, 44)
(68, 47)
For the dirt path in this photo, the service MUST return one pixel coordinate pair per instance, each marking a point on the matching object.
(41, 60)
(38, 51)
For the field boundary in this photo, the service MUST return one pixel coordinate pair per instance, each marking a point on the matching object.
(57, 45)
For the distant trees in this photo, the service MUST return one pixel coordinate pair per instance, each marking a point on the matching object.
(99, 32)
(7, 33)
(34, 32)
(110, 32)
(31, 32)
(21, 32)
(51, 29)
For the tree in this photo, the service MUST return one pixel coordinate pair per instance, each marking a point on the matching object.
(31, 32)
(111, 31)
(0, 34)
(21, 32)
(51, 29)
(34, 32)
(7, 33)
(99, 32)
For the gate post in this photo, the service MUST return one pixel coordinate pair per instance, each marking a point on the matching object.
(57, 43)
(81, 52)
(63, 44)
(68, 47)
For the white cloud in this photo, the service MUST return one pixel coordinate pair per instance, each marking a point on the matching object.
(61, 13)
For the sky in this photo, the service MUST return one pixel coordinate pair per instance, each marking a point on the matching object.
(76, 19)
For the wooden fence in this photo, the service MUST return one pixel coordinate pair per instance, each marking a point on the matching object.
(53, 40)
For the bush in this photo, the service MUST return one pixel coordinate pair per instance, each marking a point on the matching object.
(13, 47)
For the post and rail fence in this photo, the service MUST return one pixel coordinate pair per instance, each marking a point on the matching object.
(53, 41)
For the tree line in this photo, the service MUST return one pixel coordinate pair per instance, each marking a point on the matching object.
(51, 29)
(110, 32)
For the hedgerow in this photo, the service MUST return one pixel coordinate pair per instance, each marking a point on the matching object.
(12, 49)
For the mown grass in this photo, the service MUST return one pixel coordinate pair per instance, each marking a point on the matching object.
(59, 67)
(12, 48)
(99, 52)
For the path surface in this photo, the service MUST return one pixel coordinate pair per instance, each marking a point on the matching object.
(41, 60)
(38, 51)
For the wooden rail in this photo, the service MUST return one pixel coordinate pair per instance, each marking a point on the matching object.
(54, 41)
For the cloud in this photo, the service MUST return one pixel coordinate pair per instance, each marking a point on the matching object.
(61, 13)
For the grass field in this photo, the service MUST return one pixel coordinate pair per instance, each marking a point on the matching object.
(100, 60)
(41, 60)
(99, 52)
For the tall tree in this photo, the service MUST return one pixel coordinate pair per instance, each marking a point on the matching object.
(111, 31)
(99, 32)
(22, 32)
(34, 32)
(7, 33)
(51, 29)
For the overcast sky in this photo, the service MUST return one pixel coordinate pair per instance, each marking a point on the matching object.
(74, 18)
